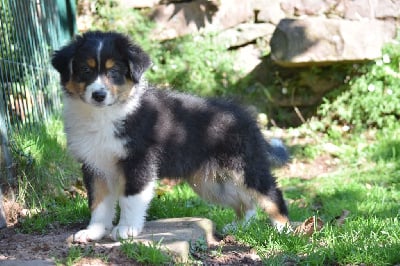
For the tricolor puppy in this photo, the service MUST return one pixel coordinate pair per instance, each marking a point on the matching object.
(128, 134)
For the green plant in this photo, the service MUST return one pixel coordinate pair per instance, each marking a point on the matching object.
(55, 212)
(370, 99)
(45, 173)
(145, 253)
(42, 162)
(199, 245)
(75, 254)
(205, 69)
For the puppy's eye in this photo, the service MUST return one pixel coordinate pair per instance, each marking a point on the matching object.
(85, 70)
(113, 72)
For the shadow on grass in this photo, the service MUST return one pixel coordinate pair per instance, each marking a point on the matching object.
(369, 193)
(387, 151)
(43, 165)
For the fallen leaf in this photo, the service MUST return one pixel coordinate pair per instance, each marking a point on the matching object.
(309, 226)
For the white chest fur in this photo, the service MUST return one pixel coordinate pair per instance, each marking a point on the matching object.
(91, 134)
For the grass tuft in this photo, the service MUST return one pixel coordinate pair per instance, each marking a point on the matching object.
(150, 254)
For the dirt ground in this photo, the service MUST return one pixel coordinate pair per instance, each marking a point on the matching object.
(53, 246)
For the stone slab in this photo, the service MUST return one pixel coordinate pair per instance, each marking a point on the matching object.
(26, 263)
(176, 234)
(177, 19)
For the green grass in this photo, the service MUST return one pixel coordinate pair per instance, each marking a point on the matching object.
(42, 163)
(149, 254)
(77, 253)
(45, 174)
(61, 211)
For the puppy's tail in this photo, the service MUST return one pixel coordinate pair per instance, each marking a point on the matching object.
(278, 154)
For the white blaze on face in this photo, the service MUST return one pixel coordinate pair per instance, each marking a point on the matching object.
(98, 55)
(97, 93)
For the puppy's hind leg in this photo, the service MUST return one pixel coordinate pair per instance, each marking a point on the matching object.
(226, 189)
(273, 204)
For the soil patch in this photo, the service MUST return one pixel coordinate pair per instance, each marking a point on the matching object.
(53, 247)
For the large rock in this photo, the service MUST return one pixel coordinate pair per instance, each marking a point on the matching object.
(247, 58)
(387, 9)
(378, 9)
(138, 3)
(306, 7)
(176, 234)
(178, 19)
(268, 11)
(311, 41)
(246, 33)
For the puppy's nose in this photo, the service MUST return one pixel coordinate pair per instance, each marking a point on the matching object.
(99, 95)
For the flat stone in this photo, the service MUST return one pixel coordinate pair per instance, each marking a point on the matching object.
(305, 7)
(247, 58)
(380, 9)
(176, 234)
(246, 33)
(178, 19)
(26, 263)
(268, 11)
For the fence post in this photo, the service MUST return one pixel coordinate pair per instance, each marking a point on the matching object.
(5, 155)
(6, 161)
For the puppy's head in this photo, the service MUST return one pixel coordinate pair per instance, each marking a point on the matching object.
(100, 68)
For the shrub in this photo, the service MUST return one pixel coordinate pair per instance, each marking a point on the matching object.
(370, 99)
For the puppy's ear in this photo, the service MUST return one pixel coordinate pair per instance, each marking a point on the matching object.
(138, 60)
(61, 59)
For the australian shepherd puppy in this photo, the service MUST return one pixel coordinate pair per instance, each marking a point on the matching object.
(128, 134)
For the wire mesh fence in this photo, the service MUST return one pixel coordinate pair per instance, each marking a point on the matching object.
(29, 89)
(29, 31)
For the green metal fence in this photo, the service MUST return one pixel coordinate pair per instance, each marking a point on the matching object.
(29, 88)
(29, 31)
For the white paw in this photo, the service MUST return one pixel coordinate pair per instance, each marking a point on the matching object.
(92, 233)
(125, 232)
(283, 228)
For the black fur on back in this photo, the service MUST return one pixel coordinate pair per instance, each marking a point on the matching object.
(173, 135)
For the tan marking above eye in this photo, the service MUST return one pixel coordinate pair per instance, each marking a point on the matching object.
(109, 63)
(91, 62)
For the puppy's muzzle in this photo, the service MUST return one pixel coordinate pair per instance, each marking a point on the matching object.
(99, 95)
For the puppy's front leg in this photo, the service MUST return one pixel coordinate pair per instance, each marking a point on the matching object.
(133, 213)
(102, 206)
